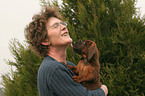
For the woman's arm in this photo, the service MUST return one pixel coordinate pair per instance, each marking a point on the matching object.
(62, 84)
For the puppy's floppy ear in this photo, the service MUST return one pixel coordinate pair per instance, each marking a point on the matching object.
(90, 52)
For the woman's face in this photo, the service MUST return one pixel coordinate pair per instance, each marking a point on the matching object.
(58, 33)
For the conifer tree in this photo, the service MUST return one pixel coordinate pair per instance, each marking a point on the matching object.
(119, 34)
(22, 81)
(1, 92)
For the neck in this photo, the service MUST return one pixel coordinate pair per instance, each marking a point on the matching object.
(58, 54)
(95, 59)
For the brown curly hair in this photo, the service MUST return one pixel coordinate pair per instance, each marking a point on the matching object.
(36, 30)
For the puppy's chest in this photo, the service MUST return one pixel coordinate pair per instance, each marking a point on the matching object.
(83, 68)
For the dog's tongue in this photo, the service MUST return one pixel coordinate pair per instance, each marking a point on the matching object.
(71, 45)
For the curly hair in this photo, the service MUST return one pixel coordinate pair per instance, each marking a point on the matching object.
(36, 30)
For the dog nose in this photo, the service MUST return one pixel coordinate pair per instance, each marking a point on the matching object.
(73, 43)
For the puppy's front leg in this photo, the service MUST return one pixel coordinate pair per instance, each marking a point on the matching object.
(77, 79)
(88, 77)
(73, 68)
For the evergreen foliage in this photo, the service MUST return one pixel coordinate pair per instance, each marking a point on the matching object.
(23, 81)
(1, 92)
(119, 34)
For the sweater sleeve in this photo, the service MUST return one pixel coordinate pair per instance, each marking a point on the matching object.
(62, 84)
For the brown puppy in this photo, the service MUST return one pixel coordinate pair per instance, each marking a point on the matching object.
(87, 70)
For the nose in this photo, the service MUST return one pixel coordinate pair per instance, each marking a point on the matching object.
(63, 27)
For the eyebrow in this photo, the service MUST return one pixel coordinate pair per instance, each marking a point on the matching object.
(55, 23)
(51, 25)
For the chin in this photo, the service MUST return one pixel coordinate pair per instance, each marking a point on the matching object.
(69, 41)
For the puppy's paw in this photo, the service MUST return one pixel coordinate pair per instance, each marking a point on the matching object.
(76, 79)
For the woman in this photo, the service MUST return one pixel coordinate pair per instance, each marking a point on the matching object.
(48, 35)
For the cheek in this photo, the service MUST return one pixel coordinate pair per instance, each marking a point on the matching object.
(53, 39)
(53, 35)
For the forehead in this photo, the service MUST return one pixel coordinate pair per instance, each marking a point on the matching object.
(52, 20)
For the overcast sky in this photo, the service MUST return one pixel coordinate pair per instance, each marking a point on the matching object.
(14, 16)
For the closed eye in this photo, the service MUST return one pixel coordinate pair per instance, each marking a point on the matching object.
(56, 25)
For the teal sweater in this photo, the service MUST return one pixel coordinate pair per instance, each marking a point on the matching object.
(55, 79)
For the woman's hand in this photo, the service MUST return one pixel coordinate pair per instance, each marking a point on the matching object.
(105, 89)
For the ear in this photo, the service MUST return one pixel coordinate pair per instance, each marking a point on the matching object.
(90, 52)
(45, 43)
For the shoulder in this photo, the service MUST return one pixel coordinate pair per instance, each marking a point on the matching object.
(70, 63)
(58, 71)
(47, 66)
(48, 62)
(50, 66)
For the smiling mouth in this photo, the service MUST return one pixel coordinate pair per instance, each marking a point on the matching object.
(65, 34)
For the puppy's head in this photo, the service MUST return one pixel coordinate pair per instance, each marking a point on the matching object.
(85, 48)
